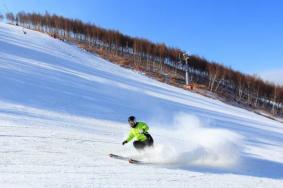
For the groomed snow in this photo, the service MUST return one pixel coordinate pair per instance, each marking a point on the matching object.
(63, 110)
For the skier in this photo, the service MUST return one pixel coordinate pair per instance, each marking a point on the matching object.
(139, 131)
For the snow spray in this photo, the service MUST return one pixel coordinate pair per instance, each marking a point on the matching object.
(190, 142)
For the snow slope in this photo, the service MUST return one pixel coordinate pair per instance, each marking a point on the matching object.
(63, 110)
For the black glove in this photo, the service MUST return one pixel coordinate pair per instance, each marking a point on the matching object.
(125, 142)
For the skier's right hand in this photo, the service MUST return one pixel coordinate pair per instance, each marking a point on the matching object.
(125, 142)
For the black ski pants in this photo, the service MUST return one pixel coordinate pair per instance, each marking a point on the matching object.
(139, 145)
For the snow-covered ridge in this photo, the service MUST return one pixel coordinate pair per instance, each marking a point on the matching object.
(62, 110)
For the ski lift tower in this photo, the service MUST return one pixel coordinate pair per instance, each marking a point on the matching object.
(186, 58)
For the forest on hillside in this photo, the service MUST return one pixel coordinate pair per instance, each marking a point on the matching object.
(166, 63)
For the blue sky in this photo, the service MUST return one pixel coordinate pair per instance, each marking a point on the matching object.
(246, 35)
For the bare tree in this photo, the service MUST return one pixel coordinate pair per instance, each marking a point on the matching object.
(213, 73)
(1, 17)
(274, 101)
(10, 17)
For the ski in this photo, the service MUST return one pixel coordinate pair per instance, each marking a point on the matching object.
(130, 160)
(118, 157)
(133, 161)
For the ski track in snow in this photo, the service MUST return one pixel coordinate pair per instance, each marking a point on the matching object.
(63, 110)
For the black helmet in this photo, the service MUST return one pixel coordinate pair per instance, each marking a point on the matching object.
(132, 118)
(132, 121)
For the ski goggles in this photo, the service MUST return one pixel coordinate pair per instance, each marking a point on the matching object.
(132, 122)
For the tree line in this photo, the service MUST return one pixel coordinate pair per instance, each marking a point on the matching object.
(169, 62)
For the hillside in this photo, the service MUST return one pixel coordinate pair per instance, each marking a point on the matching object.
(161, 62)
(63, 110)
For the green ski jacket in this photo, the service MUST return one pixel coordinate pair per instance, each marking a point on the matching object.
(137, 132)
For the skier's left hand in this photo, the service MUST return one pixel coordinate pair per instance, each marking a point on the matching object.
(125, 142)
